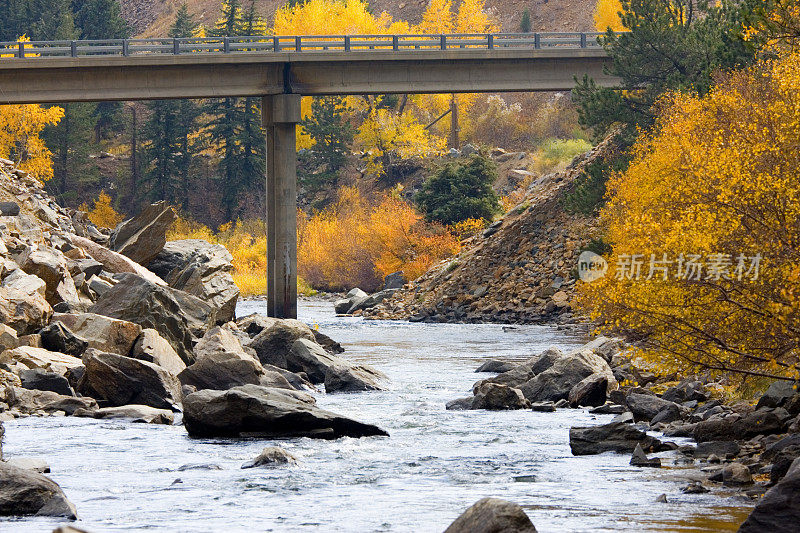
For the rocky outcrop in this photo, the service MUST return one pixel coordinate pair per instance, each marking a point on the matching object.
(492, 515)
(142, 237)
(270, 457)
(556, 382)
(251, 410)
(203, 270)
(121, 380)
(177, 316)
(26, 493)
(615, 437)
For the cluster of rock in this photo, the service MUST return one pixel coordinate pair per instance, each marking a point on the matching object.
(123, 324)
(519, 270)
(751, 447)
(356, 301)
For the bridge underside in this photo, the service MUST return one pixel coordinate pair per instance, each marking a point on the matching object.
(61, 80)
(281, 79)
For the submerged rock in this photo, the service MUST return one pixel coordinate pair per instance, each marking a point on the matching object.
(26, 493)
(271, 456)
(496, 366)
(252, 410)
(492, 515)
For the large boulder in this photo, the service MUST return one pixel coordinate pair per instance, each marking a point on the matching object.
(152, 347)
(58, 338)
(492, 515)
(25, 313)
(614, 437)
(224, 370)
(39, 379)
(142, 237)
(47, 264)
(202, 269)
(517, 376)
(178, 317)
(496, 397)
(33, 357)
(36, 401)
(121, 380)
(338, 374)
(252, 410)
(592, 391)
(646, 406)
(556, 382)
(778, 511)
(778, 393)
(26, 493)
(112, 261)
(274, 342)
(101, 332)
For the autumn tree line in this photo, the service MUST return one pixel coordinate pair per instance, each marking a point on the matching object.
(700, 204)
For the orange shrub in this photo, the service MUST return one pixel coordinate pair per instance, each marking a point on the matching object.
(353, 243)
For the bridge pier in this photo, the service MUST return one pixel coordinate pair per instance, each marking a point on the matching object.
(281, 114)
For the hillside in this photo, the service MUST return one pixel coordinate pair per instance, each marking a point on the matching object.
(152, 18)
(520, 270)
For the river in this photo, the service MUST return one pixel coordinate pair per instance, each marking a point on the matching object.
(126, 477)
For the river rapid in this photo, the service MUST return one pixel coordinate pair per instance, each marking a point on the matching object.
(126, 477)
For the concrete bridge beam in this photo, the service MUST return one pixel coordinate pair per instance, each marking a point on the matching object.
(281, 114)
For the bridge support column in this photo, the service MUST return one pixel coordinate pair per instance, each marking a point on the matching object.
(281, 114)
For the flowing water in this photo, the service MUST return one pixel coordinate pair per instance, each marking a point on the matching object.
(124, 476)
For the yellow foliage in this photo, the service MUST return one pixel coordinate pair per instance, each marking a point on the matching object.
(716, 178)
(473, 18)
(333, 17)
(20, 126)
(437, 18)
(606, 15)
(469, 227)
(353, 243)
(385, 136)
(103, 213)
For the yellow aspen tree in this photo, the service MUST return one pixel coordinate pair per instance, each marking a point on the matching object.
(606, 15)
(103, 213)
(20, 127)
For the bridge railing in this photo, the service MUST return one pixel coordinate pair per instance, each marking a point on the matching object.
(299, 43)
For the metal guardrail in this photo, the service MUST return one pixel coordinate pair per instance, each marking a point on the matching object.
(299, 43)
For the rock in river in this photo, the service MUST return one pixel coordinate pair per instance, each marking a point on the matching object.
(615, 437)
(25, 493)
(492, 515)
(271, 456)
(252, 410)
(778, 511)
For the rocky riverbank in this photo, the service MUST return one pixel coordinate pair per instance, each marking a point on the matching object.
(752, 447)
(123, 324)
(519, 270)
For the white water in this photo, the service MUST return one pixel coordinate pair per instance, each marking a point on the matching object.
(435, 463)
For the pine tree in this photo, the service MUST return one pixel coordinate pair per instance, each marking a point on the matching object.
(100, 19)
(332, 134)
(525, 22)
(235, 127)
(171, 122)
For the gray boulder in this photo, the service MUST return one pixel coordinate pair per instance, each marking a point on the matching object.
(224, 370)
(178, 317)
(646, 406)
(201, 269)
(272, 456)
(395, 280)
(336, 373)
(58, 338)
(40, 379)
(556, 382)
(121, 380)
(778, 511)
(592, 391)
(101, 332)
(142, 237)
(24, 313)
(496, 366)
(135, 413)
(492, 515)
(524, 372)
(274, 342)
(35, 401)
(639, 458)
(152, 347)
(352, 378)
(251, 410)
(615, 437)
(778, 393)
(495, 397)
(26, 493)
(735, 474)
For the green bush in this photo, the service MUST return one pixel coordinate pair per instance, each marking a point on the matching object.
(459, 191)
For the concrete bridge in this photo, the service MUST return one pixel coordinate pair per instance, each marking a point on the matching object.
(281, 70)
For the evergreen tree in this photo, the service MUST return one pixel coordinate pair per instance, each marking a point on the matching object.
(168, 150)
(235, 126)
(525, 22)
(100, 19)
(332, 133)
(459, 191)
